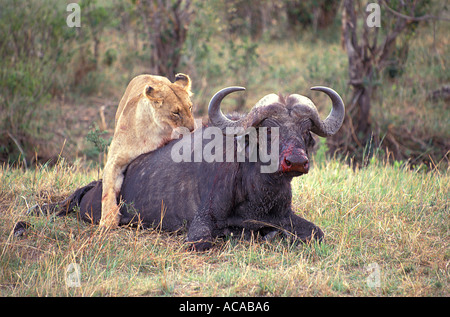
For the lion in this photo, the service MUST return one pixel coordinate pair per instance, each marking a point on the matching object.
(151, 108)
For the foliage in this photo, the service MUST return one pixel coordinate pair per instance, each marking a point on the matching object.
(166, 25)
(32, 52)
(315, 13)
(42, 59)
(95, 138)
(372, 50)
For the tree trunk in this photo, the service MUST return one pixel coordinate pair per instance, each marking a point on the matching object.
(167, 24)
(357, 124)
(368, 54)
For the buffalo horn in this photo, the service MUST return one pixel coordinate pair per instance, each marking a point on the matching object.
(333, 122)
(216, 116)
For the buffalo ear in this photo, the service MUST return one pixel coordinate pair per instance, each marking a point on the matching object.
(310, 141)
(183, 81)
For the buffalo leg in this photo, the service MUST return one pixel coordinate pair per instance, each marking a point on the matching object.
(302, 229)
(200, 231)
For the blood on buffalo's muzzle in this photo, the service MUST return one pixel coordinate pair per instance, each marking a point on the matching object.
(294, 160)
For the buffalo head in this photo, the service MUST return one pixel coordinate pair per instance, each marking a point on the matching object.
(294, 115)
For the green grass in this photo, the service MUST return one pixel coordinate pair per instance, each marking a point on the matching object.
(386, 214)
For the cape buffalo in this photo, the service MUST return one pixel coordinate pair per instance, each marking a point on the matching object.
(215, 198)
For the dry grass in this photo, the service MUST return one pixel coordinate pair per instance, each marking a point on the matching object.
(389, 215)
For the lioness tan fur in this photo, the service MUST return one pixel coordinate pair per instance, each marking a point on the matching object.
(150, 109)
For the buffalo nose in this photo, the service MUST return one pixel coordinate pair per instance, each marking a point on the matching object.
(297, 163)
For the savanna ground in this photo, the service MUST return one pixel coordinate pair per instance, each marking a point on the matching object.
(391, 218)
(386, 224)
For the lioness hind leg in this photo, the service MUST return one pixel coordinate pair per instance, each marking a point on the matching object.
(112, 182)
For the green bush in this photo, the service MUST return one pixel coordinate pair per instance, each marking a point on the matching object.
(32, 53)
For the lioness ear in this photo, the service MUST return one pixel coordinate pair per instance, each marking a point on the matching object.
(184, 81)
(148, 90)
(151, 94)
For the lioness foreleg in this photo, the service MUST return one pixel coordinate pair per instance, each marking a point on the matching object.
(112, 183)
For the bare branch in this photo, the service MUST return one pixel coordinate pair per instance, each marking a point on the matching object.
(414, 19)
(20, 149)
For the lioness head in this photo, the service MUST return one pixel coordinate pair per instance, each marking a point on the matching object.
(171, 102)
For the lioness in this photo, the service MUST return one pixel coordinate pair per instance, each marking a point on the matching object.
(150, 109)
